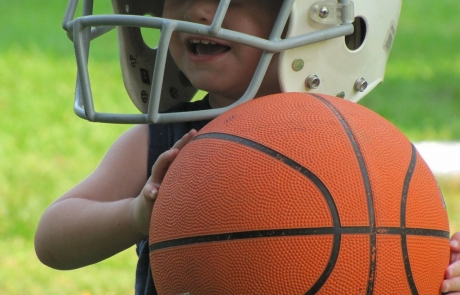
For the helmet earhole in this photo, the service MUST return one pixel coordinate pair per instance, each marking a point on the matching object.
(355, 40)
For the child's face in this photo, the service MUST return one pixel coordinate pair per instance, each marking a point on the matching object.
(222, 68)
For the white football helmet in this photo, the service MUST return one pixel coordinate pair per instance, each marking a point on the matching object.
(335, 47)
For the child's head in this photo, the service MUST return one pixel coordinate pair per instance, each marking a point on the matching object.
(223, 68)
(240, 49)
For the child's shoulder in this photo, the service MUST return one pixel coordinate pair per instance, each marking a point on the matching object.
(130, 148)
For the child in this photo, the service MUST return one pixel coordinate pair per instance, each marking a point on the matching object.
(110, 210)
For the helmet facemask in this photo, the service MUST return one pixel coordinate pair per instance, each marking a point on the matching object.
(155, 84)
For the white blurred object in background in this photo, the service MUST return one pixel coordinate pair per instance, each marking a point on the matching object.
(443, 158)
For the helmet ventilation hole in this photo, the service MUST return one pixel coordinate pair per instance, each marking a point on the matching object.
(356, 40)
(150, 36)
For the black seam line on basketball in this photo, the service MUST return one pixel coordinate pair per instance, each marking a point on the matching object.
(310, 175)
(435, 233)
(285, 160)
(368, 189)
(357, 230)
(403, 215)
(242, 236)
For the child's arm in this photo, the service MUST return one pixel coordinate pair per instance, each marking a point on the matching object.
(452, 281)
(104, 214)
(144, 203)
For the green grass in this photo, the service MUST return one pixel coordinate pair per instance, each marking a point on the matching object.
(45, 149)
(421, 93)
(21, 274)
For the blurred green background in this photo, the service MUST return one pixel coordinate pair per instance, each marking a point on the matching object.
(45, 149)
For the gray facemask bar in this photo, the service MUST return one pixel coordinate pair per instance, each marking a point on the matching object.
(82, 30)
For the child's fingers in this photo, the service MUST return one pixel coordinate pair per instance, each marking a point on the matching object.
(452, 281)
(165, 159)
(454, 266)
(453, 271)
(185, 139)
(161, 166)
(455, 242)
(150, 192)
(450, 286)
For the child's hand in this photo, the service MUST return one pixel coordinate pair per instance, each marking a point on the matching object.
(143, 204)
(451, 283)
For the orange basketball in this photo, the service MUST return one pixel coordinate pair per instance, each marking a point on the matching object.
(299, 194)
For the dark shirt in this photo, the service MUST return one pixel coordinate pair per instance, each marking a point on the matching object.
(161, 138)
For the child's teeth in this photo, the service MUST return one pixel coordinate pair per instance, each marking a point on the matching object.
(206, 42)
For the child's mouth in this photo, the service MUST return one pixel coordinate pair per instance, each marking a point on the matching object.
(206, 47)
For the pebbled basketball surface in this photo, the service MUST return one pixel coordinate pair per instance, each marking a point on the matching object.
(299, 194)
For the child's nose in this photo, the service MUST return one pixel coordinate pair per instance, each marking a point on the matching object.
(201, 11)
